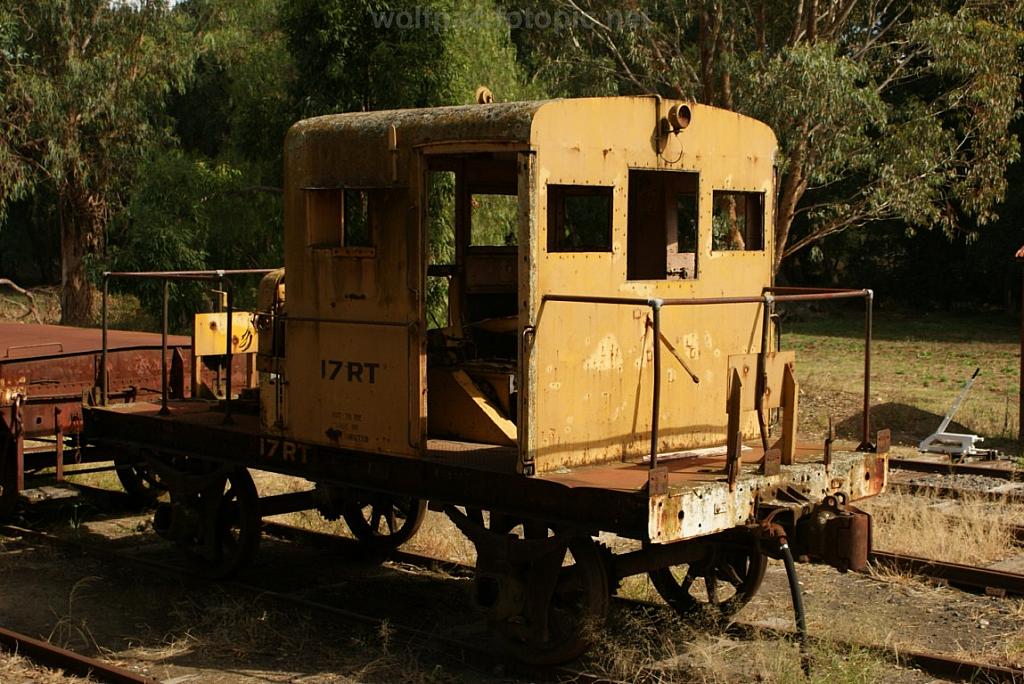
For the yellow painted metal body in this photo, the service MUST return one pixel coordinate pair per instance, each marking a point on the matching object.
(355, 374)
(211, 334)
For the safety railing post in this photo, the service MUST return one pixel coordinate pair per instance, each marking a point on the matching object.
(103, 353)
(163, 352)
(230, 357)
(656, 392)
(869, 298)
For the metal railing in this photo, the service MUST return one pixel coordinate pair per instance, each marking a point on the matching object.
(222, 276)
(769, 297)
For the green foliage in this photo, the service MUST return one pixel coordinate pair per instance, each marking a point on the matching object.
(365, 56)
(212, 218)
(82, 81)
(895, 111)
(83, 88)
(238, 106)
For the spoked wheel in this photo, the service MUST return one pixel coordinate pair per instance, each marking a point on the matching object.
(223, 523)
(139, 480)
(560, 620)
(716, 588)
(8, 480)
(382, 522)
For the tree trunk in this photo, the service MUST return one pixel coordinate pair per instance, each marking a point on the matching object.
(76, 292)
(792, 189)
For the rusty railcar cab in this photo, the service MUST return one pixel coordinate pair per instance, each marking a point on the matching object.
(550, 320)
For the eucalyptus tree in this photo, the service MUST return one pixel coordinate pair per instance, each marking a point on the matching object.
(83, 84)
(884, 109)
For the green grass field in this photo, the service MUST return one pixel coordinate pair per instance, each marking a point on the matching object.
(920, 363)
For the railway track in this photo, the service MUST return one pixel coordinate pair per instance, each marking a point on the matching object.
(947, 492)
(939, 665)
(466, 654)
(947, 468)
(49, 655)
(476, 656)
(986, 580)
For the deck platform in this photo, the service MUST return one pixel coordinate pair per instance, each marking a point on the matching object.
(614, 497)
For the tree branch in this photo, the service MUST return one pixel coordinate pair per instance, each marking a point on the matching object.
(30, 308)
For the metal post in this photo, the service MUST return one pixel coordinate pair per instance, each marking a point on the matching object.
(103, 354)
(762, 368)
(869, 298)
(656, 398)
(58, 432)
(227, 380)
(163, 353)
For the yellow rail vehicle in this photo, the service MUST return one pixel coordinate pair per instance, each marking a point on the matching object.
(548, 319)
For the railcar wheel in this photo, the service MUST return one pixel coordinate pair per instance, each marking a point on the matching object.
(383, 522)
(729, 578)
(575, 607)
(139, 480)
(226, 532)
(8, 480)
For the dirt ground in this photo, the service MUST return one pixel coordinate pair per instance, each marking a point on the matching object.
(181, 631)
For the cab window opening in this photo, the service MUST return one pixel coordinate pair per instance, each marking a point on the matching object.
(662, 226)
(494, 220)
(579, 218)
(341, 219)
(737, 222)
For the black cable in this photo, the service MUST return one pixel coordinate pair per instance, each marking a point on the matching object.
(798, 605)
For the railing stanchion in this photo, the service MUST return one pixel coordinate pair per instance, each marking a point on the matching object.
(656, 398)
(230, 357)
(768, 307)
(163, 353)
(103, 354)
(869, 298)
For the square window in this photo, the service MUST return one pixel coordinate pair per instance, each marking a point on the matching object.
(737, 222)
(340, 220)
(579, 218)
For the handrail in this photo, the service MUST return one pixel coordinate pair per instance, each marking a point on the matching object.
(166, 276)
(768, 298)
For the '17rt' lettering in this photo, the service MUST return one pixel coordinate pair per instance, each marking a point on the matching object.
(350, 371)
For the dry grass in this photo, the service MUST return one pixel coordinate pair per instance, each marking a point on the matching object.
(663, 648)
(971, 530)
(245, 630)
(15, 669)
(124, 311)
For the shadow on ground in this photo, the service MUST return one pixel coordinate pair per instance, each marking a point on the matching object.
(910, 425)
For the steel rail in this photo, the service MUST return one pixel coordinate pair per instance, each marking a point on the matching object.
(936, 664)
(71, 663)
(922, 466)
(992, 582)
(946, 492)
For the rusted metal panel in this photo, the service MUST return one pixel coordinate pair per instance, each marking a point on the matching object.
(51, 367)
(775, 366)
(694, 508)
(36, 341)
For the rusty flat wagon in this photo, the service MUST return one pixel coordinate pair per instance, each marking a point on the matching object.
(47, 372)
